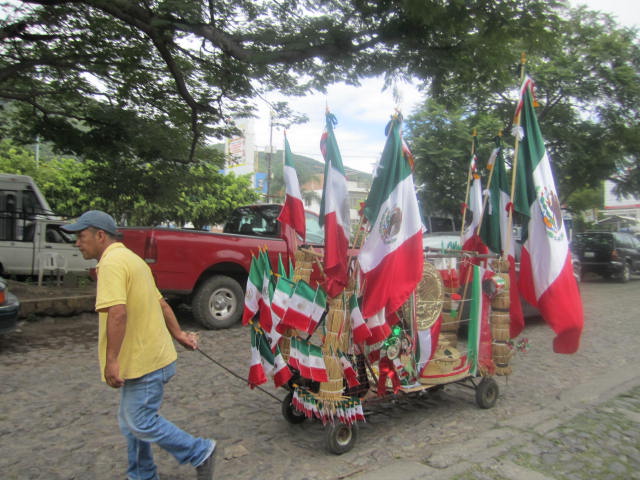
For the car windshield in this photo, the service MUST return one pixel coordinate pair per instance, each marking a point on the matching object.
(594, 240)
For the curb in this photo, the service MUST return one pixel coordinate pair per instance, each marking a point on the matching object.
(63, 306)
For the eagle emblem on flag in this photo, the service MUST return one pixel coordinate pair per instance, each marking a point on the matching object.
(390, 224)
(551, 213)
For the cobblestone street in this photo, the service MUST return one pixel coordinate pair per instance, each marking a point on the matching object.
(563, 417)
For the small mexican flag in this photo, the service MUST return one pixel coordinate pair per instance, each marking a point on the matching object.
(359, 330)
(266, 322)
(253, 291)
(319, 306)
(349, 372)
(316, 364)
(307, 359)
(281, 295)
(300, 307)
(256, 371)
(273, 363)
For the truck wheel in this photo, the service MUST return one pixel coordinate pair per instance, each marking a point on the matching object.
(625, 274)
(218, 302)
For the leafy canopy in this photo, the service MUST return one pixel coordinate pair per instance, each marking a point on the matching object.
(588, 87)
(135, 194)
(86, 70)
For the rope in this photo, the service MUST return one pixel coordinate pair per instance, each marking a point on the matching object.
(236, 375)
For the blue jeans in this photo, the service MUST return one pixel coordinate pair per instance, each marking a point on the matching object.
(141, 425)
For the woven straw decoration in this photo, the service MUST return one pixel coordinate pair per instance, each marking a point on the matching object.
(429, 297)
(302, 271)
(336, 338)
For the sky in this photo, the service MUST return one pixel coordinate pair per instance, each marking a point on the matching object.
(364, 111)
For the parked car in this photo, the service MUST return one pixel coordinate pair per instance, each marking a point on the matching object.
(209, 270)
(31, 245)
(9, 307)
(609, 254)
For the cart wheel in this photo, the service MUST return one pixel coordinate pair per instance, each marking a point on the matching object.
(487, 392)
(289, 412)
(341, 438)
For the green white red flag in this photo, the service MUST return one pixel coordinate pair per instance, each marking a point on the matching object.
(348, 371)
(391, 258)
(359, 330)
(470, 239)
(292, 212)
(268, 286)
(300, 307)
(496, 235)
(256, 370)
(474, 208)
(281, 296)
(479, 333)
(546, 271)
(334, 212)
(253, 290)
(307, 359)
(270, 363)
(319, 307)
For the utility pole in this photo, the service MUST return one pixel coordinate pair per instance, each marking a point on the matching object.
(269, 156)
(37, 151)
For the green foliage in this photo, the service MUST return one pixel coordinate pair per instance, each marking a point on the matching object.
(441, 142)
(586, 199)
(588, 86)
(85, 72)
(136, 194)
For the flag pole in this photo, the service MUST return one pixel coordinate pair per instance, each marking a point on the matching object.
(485, 200)
(516, 146)
(474, 134)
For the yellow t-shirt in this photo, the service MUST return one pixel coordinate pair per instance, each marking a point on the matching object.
(125, 279)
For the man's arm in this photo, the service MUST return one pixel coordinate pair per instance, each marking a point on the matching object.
(187, 340)
(116, 326)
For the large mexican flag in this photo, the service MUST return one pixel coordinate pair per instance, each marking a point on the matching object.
(292, 212)
(334, 212)
(391, 258)
(495, 231)
(546, 273)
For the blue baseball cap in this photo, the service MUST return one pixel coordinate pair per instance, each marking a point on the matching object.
(96, 219)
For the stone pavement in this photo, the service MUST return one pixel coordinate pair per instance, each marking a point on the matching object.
(57, 420)
(593, 434)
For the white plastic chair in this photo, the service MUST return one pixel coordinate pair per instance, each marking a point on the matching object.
(52, 262)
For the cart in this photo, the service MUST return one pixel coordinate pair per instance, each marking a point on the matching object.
(434, 301)
(341, 437)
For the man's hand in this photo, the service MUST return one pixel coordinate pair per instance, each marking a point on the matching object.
(188, 340)
(112, 374)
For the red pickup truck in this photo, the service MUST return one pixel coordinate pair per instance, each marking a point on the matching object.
(210, 270)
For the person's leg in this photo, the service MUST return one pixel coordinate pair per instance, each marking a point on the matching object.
(139, 454)
(141, 401)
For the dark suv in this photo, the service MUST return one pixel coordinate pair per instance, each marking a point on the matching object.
(608, 254)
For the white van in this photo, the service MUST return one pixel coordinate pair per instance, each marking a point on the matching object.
(20, 199)
(30, 233)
